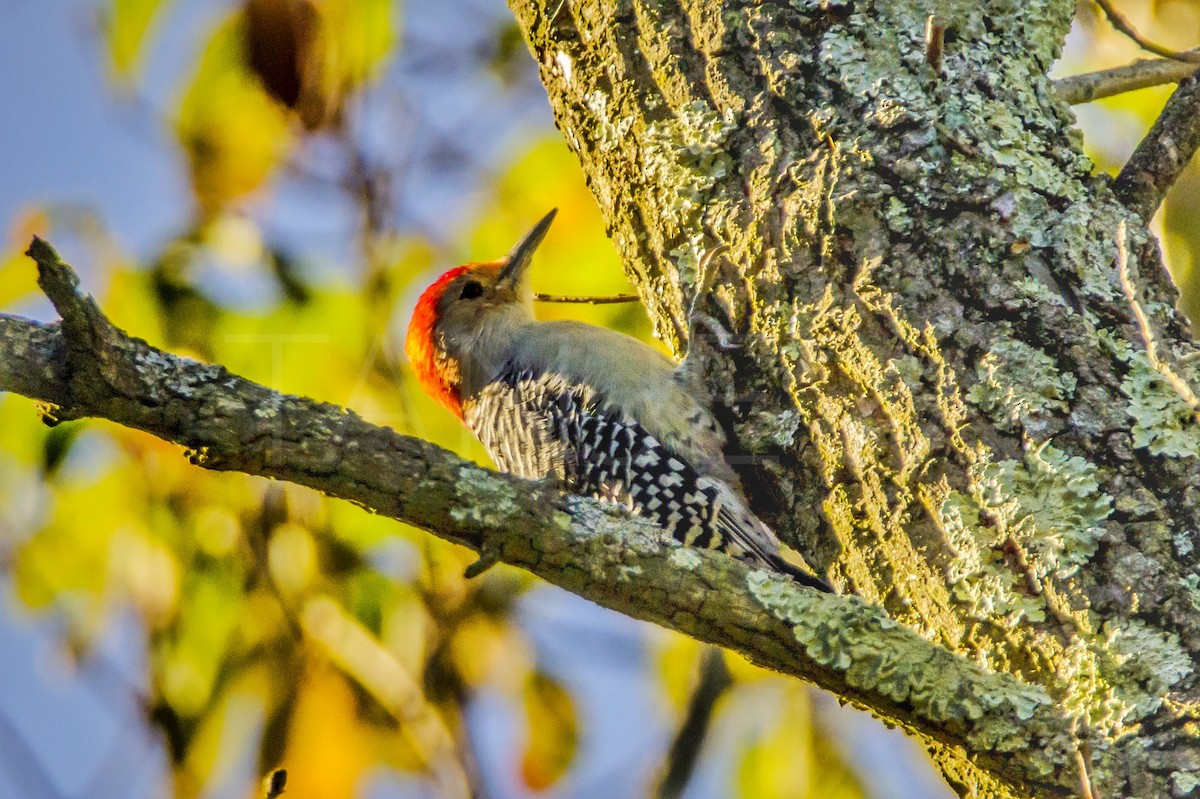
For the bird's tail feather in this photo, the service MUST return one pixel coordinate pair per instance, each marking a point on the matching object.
(801, 576)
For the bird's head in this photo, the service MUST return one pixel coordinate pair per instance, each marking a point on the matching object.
(468, 317)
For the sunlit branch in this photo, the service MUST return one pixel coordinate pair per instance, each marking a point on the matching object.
(1079, 89)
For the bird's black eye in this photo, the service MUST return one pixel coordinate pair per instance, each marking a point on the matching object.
(471, 290)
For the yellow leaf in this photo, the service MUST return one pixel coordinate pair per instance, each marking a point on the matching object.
(312, 54)
(225, 734)
(148, 571)
(130, 304)
(329, 748)
(292, 558)
(553, 732)
(743, 671)
(68, 559)
(791, 760)
(127, 24)
(677, 666)
(24, 433)
(18, 274)
(487, 652)
(233, 134)
(212, 604)
(359, 35)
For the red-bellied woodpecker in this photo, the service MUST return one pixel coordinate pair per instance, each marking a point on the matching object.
(602, 413)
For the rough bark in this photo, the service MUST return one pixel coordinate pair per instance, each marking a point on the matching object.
(959, 400)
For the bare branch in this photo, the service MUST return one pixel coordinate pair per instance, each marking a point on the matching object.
(1124, 26)
(1079, 89)
(1160, 157)
(1172, 378)
(88, 367)
(610, 299)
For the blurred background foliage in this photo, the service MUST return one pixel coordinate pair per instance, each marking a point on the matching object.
(329, 163)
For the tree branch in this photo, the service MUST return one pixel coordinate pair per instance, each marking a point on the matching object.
(1160, 157)
(87, 367)
(1079, 89)
(1124, 26)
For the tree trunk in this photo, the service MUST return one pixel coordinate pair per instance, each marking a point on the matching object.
(961, 390)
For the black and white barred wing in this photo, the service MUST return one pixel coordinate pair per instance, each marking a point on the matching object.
(537, 426)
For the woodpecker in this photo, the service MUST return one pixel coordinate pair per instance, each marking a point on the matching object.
(600, 412)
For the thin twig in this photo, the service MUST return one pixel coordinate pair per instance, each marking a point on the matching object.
(1123, 25)
(1171, 377)
(1083, 754)
(1142, 74)
(611, 299)
(935, 42)
(1161, 156)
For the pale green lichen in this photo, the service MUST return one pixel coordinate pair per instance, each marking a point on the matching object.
(822, 636)
(1019, 386)
(1094, 266)
(499, 506)
(1010, 708)
(1185, 783)
(1088, 693)
(684, 157)
(1162, 421)
(1050, 505)
(779, 428)
(908, 368)
(1061, 507)
(686, 558)
(610, 134)
(1191, 584)
(992, 711)
(183, 375)
(1148, 662)
(629, 573)
(1183, 542)
(592, 516)
(980, 578)
(269, 409)
(1119, 676)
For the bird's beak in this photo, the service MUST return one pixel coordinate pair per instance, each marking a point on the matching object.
(518, 260)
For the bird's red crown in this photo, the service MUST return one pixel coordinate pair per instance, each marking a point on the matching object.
(437, 376)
